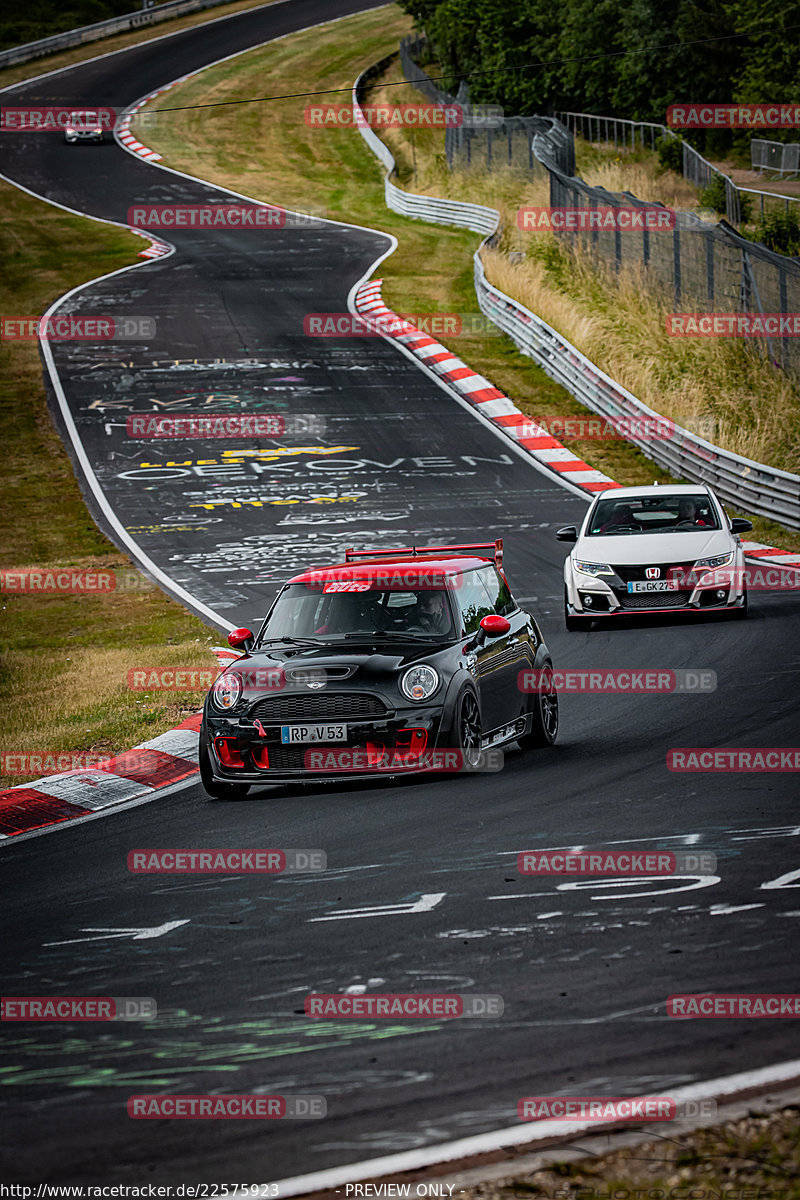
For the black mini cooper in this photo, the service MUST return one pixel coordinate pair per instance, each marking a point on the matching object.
(393, 662)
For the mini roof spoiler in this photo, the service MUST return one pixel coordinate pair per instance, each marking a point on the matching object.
(495, 548)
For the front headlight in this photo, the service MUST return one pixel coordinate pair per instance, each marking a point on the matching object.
(419, 683)
(226, 690)
(718, 560)
(593, 568)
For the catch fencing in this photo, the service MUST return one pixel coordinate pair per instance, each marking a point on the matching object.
(741, 482)
(693, 267)
(775, 156)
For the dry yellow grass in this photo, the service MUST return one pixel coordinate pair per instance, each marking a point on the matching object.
(718, 388)
(268, 152)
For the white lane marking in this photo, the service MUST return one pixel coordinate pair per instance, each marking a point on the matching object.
(721, 910)
(425, 903)
(137, 934)
(518, 1135)
(576, 885)
(783, 881)
(768, 832)
(695, 881)
(127, 541)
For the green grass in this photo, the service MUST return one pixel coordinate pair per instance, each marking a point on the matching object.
(64, 658)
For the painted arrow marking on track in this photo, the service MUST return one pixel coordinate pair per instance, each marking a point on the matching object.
(136, 934)
(425, 903)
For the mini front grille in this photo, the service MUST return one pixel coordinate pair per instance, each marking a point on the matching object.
(324, 706)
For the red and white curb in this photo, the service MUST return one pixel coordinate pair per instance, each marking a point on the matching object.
(478, 391)
(173, 756)
(156, 249)
(123, 131)
(493, 404)
(772, 555)
(127, 140)
(139, 772)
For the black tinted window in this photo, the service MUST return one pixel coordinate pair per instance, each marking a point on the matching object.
(497, 588)
(474, 601)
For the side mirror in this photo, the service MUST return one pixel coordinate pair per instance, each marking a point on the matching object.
(495, 626)
(241, 639)
(740, 525)
(568, 534)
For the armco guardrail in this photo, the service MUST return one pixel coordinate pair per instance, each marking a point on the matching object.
(101, 29)
(424, 208)
(739, 481)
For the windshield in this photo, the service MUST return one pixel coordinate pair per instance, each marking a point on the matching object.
(333, 611)
(653, 514)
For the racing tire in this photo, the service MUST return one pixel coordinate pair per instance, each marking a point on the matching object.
(468, 728)
(211, 786)
(544, 725)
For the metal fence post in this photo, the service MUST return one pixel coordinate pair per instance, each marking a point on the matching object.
(676, 265)
(710, 273)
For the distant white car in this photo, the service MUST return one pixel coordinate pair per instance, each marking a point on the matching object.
(81, 129)
(652, 549)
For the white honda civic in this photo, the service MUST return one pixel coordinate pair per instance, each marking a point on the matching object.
(651, 549)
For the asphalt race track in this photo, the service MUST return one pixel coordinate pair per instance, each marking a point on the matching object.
(584, 967)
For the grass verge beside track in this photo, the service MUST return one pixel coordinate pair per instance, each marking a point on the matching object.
(64, 658)
(270, 152)
(756, 1157)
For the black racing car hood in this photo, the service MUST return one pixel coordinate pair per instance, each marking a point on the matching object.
(368, 659)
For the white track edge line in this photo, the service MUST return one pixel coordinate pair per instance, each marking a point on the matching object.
(135, 801)
(522, 1135)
